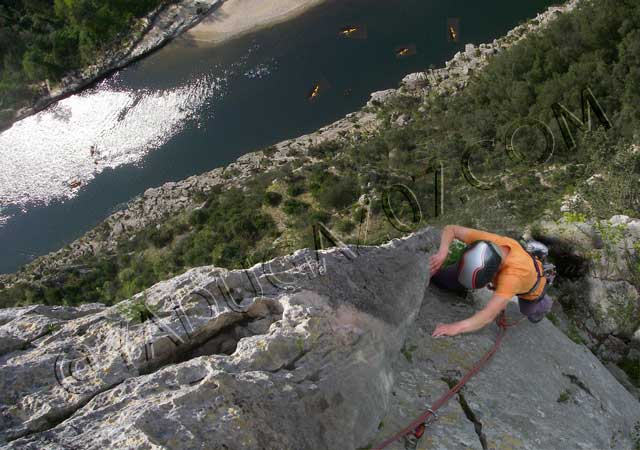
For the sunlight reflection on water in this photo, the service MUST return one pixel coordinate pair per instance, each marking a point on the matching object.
(52, 154)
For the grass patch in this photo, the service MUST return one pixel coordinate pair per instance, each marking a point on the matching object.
(137, 311)
(408, 352)
(564, 396)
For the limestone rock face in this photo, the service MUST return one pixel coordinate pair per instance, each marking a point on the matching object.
(309, 351)
(381, 97)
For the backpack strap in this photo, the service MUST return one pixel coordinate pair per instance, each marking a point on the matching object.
(537, 283)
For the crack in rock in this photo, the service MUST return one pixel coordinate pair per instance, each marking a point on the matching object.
(221, 341)
(468, 412)
(578, 382)
(58, 416)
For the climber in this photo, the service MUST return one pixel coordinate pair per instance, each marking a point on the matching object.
(495, 261)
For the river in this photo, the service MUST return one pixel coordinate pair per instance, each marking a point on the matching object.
(189, 108)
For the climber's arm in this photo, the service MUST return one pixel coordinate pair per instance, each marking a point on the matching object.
(479, 320)
(449, 233)
(486, 315)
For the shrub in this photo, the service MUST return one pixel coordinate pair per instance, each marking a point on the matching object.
(324, 149)
(272, 198)
(345, 226)
(296, 189)
(295, 207)
(269, 151)
(632, 369)
(230, 173)
(136, 310)
(161, 237)
(359, 214)
(199, 217)
(320, 216)
(338, 193)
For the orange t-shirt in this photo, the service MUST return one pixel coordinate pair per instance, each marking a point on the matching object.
(517, 273)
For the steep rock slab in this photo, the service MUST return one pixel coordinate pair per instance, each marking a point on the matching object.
(539, 391)
(322, 371)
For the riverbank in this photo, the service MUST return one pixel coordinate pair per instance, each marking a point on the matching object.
(235, 18)
(154, 30)
(222, 20)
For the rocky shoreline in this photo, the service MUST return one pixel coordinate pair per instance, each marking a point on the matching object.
(173, 197)
(157, 28)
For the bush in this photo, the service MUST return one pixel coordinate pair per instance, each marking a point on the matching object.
(632, 369)
(295, 207)
(296, 189)
(136, 310)
(161, 237)
(230, 173)
(324, 149)
(199, 217)
(320, 216)
(339, 193)
(269, 151)
(272, 198)
(345, 226)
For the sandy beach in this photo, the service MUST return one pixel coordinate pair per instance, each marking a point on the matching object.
(238, 17)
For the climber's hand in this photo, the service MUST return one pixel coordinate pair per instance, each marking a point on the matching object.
(436, 261)
(447, 329)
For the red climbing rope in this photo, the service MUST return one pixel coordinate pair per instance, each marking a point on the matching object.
(502, 323)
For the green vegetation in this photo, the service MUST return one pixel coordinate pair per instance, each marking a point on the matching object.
(52, 327)
(345, 226)
(300, 344)
(295, 207)
(407, 351)
(455, 252)
(572, 217)
(633, 261)
(564, 396)
(296, 189)
(553, 319)
(632, 368)
(333, 191)
(272, 198)
(230, 173)
(45, 39)
(138, 310)
(573, 334)
(324, 150)
(230, 232)
(269, 151)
